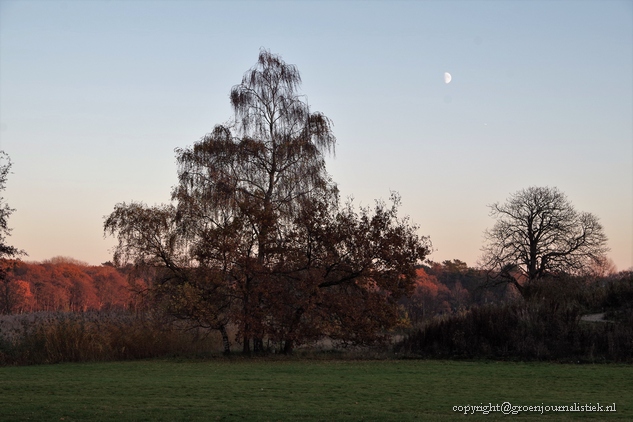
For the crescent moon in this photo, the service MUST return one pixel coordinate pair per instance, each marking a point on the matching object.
(447, 77)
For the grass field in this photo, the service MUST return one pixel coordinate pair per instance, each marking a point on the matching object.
(306, 390)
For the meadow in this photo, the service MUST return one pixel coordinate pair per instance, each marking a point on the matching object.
(293, 389)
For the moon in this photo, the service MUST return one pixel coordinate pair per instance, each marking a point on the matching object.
(447, 77)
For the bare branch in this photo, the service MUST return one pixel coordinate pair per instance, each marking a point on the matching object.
(539, 233)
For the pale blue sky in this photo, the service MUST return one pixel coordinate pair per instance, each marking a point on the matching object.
(95, 96)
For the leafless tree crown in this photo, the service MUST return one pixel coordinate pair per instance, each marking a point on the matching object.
(538, 233)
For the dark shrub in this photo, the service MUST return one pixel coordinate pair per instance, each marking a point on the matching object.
(525, 331)
(99, 336)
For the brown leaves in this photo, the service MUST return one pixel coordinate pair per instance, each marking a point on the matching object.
(257, 235)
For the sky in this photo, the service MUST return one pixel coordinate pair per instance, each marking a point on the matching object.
(96, 95)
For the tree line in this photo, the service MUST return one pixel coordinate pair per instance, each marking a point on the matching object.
(68, 285)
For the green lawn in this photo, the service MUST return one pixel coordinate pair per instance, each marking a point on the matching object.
(289, 390)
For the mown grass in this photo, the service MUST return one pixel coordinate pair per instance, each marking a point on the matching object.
(305, 390)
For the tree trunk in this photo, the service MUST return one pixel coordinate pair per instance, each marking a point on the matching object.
(288, 347)
(225, 340)
(246, 345)
(258, 345)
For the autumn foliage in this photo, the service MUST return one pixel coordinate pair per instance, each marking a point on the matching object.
(63, 284)
(256, 234)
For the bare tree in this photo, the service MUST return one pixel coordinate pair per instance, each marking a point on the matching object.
(538, 233)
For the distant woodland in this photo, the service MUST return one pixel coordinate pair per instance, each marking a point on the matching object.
(63, 284)
(67, 285)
